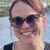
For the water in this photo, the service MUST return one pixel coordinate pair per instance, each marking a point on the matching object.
(5, 35)
(47, 33)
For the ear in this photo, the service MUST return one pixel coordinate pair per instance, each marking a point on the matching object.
(44, 22)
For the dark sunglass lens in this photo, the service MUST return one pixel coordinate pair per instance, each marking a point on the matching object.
(29, 19)
(19, 21)
(32, 18)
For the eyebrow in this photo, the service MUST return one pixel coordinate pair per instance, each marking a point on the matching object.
(21, 17)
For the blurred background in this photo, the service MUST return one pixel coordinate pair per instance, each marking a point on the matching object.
(5, 34)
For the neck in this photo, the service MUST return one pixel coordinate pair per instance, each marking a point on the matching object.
(23, 46)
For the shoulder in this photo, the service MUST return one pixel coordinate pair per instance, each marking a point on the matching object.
(47, 46)
(7, 47)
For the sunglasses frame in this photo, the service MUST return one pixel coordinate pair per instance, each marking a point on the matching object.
(14, 21)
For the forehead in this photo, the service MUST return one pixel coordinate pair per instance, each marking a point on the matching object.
(22, 9)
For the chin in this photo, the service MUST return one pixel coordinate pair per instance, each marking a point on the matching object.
(26, 40)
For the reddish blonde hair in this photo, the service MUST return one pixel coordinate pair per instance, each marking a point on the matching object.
(35, 4)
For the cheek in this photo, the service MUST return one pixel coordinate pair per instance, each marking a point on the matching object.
(39, 24)
(15, 30)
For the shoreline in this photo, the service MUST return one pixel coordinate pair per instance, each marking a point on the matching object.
(4, 11)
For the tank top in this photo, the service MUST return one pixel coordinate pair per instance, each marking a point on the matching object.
(9, 46)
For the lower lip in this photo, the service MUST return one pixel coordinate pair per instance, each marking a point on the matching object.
(27, 34)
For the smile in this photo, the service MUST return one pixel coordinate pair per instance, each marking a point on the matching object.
(28, 33)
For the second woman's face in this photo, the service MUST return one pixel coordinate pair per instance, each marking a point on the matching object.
(27, 22)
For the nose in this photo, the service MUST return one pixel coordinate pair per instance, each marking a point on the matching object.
(25, 25)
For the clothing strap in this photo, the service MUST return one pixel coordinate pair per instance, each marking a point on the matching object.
(8, 47)
(47, 46)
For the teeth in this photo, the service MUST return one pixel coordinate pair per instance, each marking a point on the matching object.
(27, 33)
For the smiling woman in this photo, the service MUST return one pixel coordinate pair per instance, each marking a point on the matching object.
(28, 22)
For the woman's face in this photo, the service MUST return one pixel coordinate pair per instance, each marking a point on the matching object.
(32, 24)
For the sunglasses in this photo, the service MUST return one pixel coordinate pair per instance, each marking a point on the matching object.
(18, 21)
